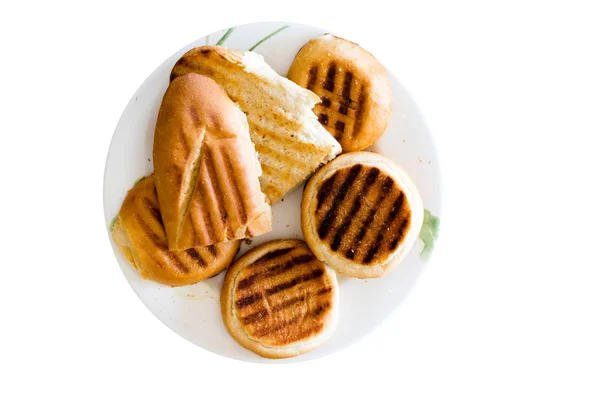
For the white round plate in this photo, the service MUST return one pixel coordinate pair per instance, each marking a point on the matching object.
(194, 311)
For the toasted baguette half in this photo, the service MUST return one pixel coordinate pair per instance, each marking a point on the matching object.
(290, 141)
(278, 300)
(140, 235)
(206, 167)
(361, 214)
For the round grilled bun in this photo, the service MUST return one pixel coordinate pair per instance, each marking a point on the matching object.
(355, 90)
(140, 235)
(361, 214)
(278, 300)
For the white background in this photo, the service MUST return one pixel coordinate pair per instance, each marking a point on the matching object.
(509, 307)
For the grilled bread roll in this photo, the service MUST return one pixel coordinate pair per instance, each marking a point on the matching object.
(279, 301)
(290, 142)
(361, 214)
(355, 91)
(140, 235)
(206, 167)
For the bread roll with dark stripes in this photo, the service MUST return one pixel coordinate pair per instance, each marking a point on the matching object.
(278, 300)
(355, 90)
(361, 214)
(140, 235)
(207, 171)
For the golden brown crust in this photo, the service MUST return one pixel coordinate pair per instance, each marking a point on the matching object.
(207, 175)
(355, 91)
(361, 214)
(140, 235)
(290, 142)
(279, 301)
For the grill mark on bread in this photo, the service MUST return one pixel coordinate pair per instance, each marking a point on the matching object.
(275, 270)
(339, 126)
(195, 241)
(329, 218)
(334, 115)
(191, 177)
(248, 300)
(385, 189)
(372, 175)
(330, 78)
(339, 234)
(162, 248)
(272, 329)
(358, 118)
(214, 189)
(261, 314)
(373, 249)
(290, 302)
(323, 118)
(257, 316)
(395, 208)
(376, 244)
(387, 185)
(177, 263)
(325, 290)
(348, 76)
(151, 206)
(277, 155)
(312, 77)
(195, 256)
(261, 130)
(314, 274)
(155, 238)
(212, 249)
(401, 233)
(198, 225)
(343, 108)
(325, 190)
(273, 254)
(350, 253)
(240, 204)
(320, 309)
(337, 99)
